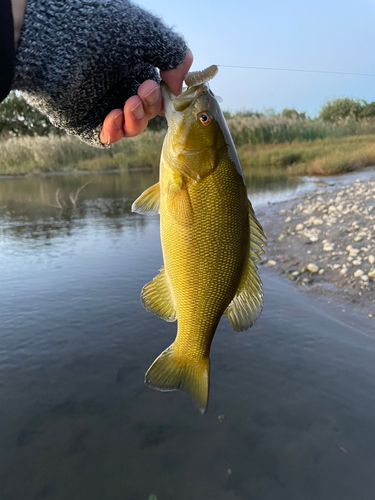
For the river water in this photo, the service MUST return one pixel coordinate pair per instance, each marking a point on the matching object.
(292, 401)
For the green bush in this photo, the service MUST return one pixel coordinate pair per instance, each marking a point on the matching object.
(368, 110)
(19, 118)
(342, 108)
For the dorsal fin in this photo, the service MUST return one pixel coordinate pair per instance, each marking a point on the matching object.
(247, 304)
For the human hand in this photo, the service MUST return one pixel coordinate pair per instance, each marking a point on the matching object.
(140, 108)
(100, 68)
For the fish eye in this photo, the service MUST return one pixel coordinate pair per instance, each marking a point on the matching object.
(204, 118)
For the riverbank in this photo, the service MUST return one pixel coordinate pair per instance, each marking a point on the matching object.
(325, 242)
(22, 156)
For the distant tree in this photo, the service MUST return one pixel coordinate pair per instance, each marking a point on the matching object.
(19, 118)
(227, 115)
(293, 113)
(368, 110)
(340, 108)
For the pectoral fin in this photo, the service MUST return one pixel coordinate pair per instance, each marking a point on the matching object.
(180, 205)
(247, 304)
(149, 201)
(156, 297)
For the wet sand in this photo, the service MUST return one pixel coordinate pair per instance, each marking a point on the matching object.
(325, 242)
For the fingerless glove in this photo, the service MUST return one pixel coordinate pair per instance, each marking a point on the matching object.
(79, 59)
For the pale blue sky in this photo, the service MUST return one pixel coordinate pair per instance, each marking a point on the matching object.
(321, 34)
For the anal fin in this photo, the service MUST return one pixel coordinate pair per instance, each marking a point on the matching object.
(247, 304)
(149, 201)
(156, 297)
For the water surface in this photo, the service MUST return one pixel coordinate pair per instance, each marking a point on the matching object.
(292, 401)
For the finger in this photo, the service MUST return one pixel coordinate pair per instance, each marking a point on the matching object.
(149, 92)
(175, 77)
(112, 129)
(135, 117)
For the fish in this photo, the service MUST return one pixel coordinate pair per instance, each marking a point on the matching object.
(211, 239)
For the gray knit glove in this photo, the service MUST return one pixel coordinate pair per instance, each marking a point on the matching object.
(77, 60)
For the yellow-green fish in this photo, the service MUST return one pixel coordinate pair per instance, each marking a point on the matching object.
(209, 234)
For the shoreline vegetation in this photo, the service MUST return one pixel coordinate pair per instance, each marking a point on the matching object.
(341, 139)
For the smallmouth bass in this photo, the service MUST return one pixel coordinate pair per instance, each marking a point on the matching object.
(210, 238)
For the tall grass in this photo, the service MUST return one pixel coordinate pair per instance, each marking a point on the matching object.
(294, 143)
(25, 155)
(321, 157)
(278, 129)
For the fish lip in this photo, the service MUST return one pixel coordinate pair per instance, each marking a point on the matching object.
(166, 92)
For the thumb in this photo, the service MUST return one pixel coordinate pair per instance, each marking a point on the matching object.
(175, 77)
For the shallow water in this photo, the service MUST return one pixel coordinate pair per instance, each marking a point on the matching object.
(292, 401)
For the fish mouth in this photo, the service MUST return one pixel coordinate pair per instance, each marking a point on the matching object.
(181, 102)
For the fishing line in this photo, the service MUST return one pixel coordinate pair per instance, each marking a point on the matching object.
(297, 70)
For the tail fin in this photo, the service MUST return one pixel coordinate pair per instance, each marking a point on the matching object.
(170, 372)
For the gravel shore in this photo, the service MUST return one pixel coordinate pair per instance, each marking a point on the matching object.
(325, 242)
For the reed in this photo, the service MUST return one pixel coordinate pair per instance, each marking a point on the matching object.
(321, 157)
(294, 143)
(34, 155)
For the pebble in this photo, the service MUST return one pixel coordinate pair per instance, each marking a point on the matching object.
(316, 221)
(335, 218)
(313, 268)
(271, 263)
(354, 252)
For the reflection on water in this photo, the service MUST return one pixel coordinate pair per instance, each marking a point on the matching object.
(41, 207)
(291, 404)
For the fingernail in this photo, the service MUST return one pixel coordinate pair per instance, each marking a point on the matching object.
(138, 111)
(118, 121)
(152, 97)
